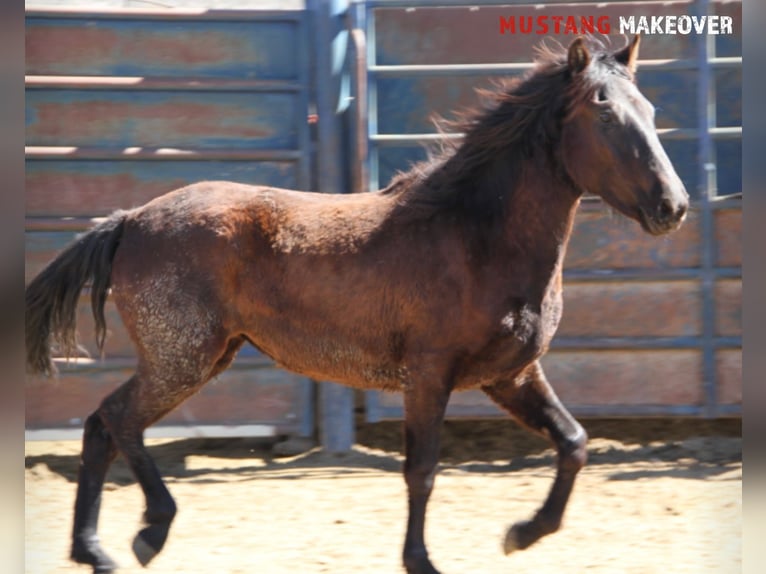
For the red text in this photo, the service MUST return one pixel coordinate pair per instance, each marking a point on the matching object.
(544, 24)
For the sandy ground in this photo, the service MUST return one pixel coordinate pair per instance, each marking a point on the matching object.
(657, 496)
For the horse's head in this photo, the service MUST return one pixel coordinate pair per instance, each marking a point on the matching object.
(610, 143)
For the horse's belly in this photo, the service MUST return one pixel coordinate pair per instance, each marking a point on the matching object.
(339, 361)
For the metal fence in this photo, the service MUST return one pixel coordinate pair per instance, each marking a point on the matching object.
(123, 105)
(703, 356)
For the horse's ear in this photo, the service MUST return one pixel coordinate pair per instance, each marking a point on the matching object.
(578, 56)
(628, 56)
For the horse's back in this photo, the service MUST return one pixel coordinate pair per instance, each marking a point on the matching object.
(224, 208)
(225, 260)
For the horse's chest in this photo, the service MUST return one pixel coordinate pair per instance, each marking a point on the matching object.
(523, 336)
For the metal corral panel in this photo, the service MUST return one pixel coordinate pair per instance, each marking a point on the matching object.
(631, 339)
(162, 119)
(239, 46)
(124, 106)
(650, 326)
(448, 36)
(92, 188)
(249, 393)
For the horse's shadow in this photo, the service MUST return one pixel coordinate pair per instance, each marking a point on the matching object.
(173, 460)
(185, 460)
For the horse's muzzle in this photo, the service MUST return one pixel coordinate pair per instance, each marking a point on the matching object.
(667, 216)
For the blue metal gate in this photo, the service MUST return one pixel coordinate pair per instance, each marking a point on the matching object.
(125, 105)
(684, 358)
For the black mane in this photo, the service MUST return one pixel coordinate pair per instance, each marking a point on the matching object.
(518, 120)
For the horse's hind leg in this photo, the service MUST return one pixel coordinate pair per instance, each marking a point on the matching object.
(118, 425)
(121, 420)
(98, 452)
(127, 414)
(532, 401)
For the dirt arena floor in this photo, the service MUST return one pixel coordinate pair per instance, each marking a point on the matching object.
(658, 496)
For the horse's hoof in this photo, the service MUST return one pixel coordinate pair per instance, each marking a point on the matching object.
(90, 553)
(109, 568)
(512, 541)
(143, 551)
(419, 564)
(149, 542)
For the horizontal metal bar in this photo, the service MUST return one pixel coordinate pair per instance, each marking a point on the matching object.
(380, 413)
(405, 140)
(208, 15)
(649, 274)
(732, 410)
(610, 343)
(53, 224)
(447, 69)
(593, 203)
(165, 431)
(484, 3)
(141, 153)
(413, 140)
(719, 63)
(425, 70)
(82, 364)
(717, 133)
(636, 410)
(156, 83)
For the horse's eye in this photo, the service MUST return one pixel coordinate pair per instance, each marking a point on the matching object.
(605, 116)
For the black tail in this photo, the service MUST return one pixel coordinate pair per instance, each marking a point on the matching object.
(51, 298)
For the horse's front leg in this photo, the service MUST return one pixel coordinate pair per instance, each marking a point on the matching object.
(424, 406)
(531, 400)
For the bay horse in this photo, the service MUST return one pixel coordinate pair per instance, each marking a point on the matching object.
(448, 279)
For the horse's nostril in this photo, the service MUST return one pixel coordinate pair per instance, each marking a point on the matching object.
(666, 210)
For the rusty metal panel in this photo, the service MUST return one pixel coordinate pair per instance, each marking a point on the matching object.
(631, 300)
(123, 107)
(586, 379)
(267, 395)
(67, 401)
(42, 247)
(729, 376)
(631, 309)
(628, 377)
(603, 240)
(89, 188)
(472, 403)
(408, 104)
(728, 307)
(728, 235)
(157, 119)
(145, 47)
(277, 398)
(454, 35)
(439, 36)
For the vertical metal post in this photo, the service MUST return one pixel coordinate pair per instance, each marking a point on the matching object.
(336, 403)
(707, 190)
(361, 157)
(304, 78)
(372, 100)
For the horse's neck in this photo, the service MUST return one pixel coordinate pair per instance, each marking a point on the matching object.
(540, 216)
